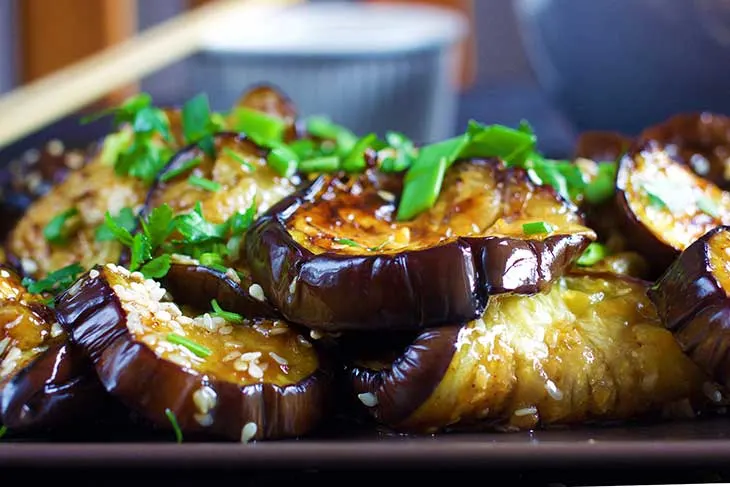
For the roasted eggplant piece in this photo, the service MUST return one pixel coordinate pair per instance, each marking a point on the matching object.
(664, 206)
(699, 140)
(45, 383)
(692, 300)
(236, 178)
(257, 379)
(333, 257)
(591, 348)
(271, 100)
(601, 146)
(84, 197)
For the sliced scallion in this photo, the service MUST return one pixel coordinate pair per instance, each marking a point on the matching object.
(175, 425)
(283, 160)
(709, 207)
(239, 159)
(204, 183)
(324, 164)
(198, 349)
(594, 253)
(534, 228)
(260, 126)
(229, 316)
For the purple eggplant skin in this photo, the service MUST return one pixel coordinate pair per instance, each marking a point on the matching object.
(92, 314)
(601, 145)
(692, 300)
(57, 391)
(197, 285)
(406, 290)
(412, 377)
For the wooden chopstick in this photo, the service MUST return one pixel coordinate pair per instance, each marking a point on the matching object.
(31, 107)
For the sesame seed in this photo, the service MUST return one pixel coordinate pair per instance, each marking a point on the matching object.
(32, 156)
(293, 285)
(316, 335)
(4, 274)
(248, 432)
(163, 315)
(138, 276)
(368, 399)
(278, 331)
(29, 265)
(241, 365)
(203, 420)
(225, 330)
(255, 371)
(278, 358)
(56, 330)
(712, 392)
(55, 147)
(553, 390)
(525, 411)
(74, 160)
(256, 292)
(233, 275)
(93, 273)
(386, 195)
(231, 356)
(4, 344)
(251, 356)
(205, 399)
(303, 341)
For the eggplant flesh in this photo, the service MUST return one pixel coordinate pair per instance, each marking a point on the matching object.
(45, 383)
(664, 206)
(699, 140)
(92, 191)
(590, 349)
(258, 379)
(692, 299)
(333, 257)
(239, 168)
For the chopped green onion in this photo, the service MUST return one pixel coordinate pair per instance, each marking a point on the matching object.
(212, 260)
(196, 118)
(601, 188)
(511, 145)
(347, 241)
(534, 228)
(320, 164)
(182, 168)
(304, 148)
(57, 231)
(204, 183)
(196, 348)
(114, 145)
(229, 316)
(594, 253)
(258, 125)
(175, 425)
(283, 160)
(709, 207)
(355, 160)
(239, 158)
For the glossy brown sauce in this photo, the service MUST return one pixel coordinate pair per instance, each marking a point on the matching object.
(477, 199)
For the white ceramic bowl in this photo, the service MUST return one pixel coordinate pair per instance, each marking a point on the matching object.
(371, 67)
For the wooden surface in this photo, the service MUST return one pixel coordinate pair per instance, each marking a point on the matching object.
(57, 33)
(65, 91)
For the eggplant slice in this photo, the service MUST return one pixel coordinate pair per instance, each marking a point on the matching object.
(271, 100)
(692, 299)
(590, 349)
(333, 257)
(45, 383)
(601, 146)
(255, 380)
(664, 206)
(699, 140)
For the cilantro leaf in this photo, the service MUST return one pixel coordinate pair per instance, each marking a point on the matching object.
(196, 229)
(57, 230)
(141, 251)
(159, 225)
(126, 219)
(196, 118)
(55, 281)
(120, 233)
(157, 267)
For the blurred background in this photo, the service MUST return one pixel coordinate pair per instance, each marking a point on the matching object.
(566, 66)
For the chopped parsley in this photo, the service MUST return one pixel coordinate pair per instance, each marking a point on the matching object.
(58, 230)
(55, 282)
(125, 219)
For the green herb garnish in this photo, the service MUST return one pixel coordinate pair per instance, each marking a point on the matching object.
(55, 281)
(196, 229)
(602, 187)
(325, 164)
(534, 228)
(709, 207)
(57, 230)
(157, 267)
(594, 253)
(261, 127)
(348, 242)
(226, 315)
(141, 251)
(181, 169)
(126, 219)
(283, 160)
(204, 183)
(197, 349)
(175, 425)
(239, 158)
(158, 225)
(355, 160)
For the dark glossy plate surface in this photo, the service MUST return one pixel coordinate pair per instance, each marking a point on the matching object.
(691, 443)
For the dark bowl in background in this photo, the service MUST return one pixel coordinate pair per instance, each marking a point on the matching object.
(626, 64)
